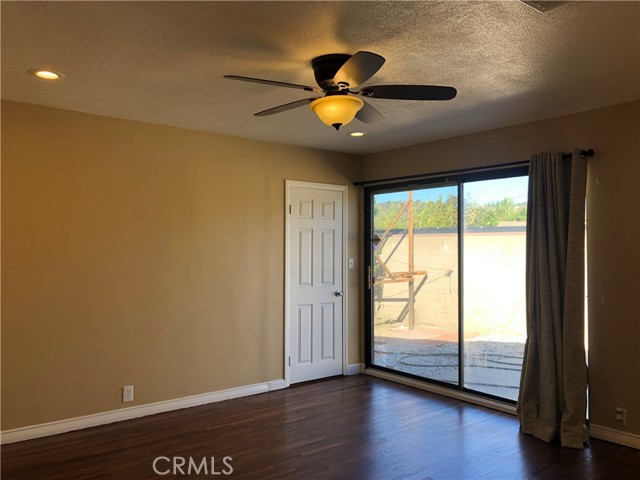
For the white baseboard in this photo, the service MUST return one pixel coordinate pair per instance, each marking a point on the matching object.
(78, 423)
(277, 384)
(614, 436)
(354, 369)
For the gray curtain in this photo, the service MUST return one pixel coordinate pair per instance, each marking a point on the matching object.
(553, 385)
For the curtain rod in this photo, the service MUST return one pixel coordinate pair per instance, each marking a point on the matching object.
(583, 154)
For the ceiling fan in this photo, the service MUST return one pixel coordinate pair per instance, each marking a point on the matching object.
(336, 74)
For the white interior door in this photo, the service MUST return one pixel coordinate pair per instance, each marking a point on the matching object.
(315, 282)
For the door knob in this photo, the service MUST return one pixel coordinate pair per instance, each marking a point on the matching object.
(339, 293)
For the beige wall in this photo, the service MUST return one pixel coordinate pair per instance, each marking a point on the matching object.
(146, 255)
(614, 229)
(114, 270)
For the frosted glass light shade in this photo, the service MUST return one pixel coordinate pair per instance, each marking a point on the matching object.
(336, 110)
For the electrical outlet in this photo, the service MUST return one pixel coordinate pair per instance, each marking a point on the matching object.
(621, 415)
(127, 393)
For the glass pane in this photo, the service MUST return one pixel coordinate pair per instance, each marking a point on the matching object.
(415, 282)
(495, 215)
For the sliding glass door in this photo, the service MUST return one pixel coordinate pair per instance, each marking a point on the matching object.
(494, 323)
(415, 282)
(446, 280)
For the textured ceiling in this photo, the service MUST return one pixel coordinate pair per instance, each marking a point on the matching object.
(163, 62)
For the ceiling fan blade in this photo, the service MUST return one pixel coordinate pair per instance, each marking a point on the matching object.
(285, 107)
(359, 68)
(368, 114)
(409, 92)
(274, 83)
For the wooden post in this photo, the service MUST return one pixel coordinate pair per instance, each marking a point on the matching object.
(411, 299)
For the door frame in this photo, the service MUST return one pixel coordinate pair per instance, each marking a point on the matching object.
(460, 177)
(289, 184)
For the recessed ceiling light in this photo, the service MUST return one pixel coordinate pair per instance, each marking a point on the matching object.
(357, 134)
(45, 74)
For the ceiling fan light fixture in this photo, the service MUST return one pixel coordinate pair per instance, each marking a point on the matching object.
(336, 110)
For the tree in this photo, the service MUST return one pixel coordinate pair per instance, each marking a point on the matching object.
(443, 213)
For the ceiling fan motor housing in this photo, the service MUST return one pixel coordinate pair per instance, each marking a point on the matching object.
(325, 68)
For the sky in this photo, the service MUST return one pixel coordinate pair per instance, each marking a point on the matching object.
(481, 192)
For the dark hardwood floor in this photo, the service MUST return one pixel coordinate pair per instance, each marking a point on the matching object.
(344, 427)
